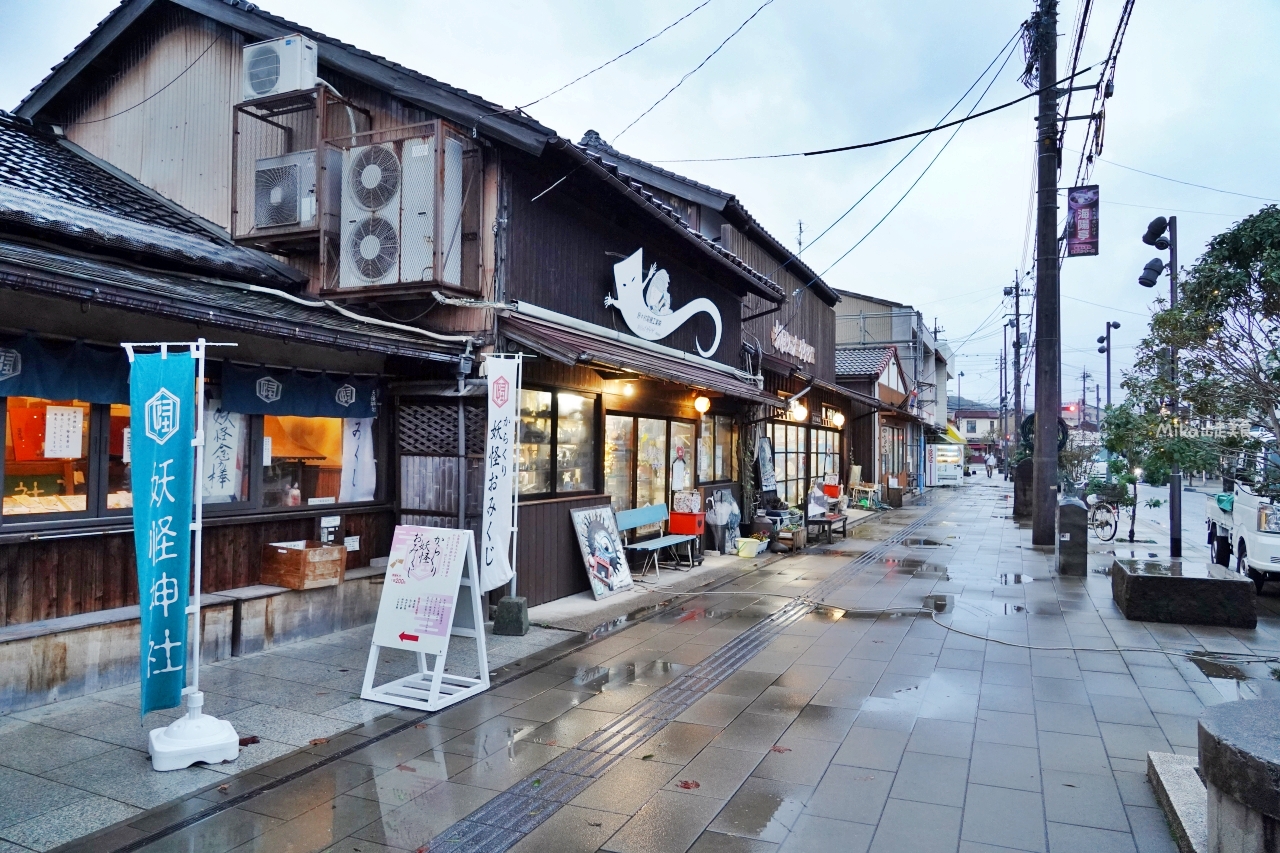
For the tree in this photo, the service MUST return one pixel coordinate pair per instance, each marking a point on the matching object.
(1226, 330)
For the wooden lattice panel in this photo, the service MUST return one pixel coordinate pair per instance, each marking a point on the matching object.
(432, 429)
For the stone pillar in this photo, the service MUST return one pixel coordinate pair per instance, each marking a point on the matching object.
(1240, 763)
(1022, 473)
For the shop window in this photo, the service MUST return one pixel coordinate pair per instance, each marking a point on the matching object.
(316, 461)
(717, 446)
(824, 456)
(575, 443)
(789, 460)
(892, 451)
(557, 443)
(619, 459)
(46, 467)
(119, 469)
(535, 442)
(651, 461)
(681, 458)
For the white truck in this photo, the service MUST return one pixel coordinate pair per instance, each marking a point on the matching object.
(1247, 526)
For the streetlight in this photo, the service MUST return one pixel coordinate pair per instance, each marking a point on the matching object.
(1163, 234)
(1105, 340)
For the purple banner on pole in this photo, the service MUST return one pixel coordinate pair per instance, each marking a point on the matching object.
(1082, 221)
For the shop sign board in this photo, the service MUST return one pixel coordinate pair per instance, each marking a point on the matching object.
(1082, 221)
(499, 471)
(602, 550)
(162, 427)
(645, 303)
(788, 344)
(430, 594)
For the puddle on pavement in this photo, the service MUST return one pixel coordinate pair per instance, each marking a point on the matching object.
(1007, 579)
(1213, 669)
(921, 542)
(763, 814)
(602, 679)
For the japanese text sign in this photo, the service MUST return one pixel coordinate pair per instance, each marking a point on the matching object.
(499, 469)
(421, 589)
(162, 426)
(1082, 221)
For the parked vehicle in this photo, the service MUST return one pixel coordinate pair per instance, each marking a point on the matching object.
(1247, 526)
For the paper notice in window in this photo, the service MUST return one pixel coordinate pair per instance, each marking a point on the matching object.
(63, 428)
(126, 454)
(266, 450)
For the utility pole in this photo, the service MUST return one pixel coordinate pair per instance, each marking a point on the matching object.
(1017, 356)
(1085, 376)
(1044, 496)
(1097, 404)
(1004, 397)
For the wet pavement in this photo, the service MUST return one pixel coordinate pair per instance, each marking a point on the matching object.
(808, 705)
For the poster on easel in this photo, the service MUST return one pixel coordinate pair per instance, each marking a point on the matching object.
(430, 594)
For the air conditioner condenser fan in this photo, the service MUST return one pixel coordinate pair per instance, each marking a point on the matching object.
(374, 247)
(264, 69)
(374, 177)
(275, 196)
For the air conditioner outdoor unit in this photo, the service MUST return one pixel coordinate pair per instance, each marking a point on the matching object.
(371, 191)
(285, 64)
(285, 189)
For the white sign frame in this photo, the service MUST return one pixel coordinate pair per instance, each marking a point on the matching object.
(430, 688)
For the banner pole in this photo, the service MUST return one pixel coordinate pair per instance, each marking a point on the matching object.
(515, 480)
(197, 527)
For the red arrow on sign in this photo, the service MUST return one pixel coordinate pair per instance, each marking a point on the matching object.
(412, 638)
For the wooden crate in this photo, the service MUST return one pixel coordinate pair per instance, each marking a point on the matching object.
(303, 564)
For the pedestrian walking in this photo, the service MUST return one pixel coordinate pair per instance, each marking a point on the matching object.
(991, 464)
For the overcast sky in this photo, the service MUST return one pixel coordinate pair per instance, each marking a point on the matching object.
(1194, 101)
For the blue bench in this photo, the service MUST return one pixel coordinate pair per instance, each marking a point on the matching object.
(649, 549)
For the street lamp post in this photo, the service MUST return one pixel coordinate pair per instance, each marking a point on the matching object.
(1105, 340)
(1163, 234)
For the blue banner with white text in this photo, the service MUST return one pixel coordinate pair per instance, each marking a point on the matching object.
(163, 422)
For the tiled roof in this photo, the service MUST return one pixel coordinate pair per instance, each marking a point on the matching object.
(863, 362)
(56, 190)
(592, 141)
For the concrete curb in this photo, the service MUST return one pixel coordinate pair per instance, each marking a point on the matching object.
(1182, 798)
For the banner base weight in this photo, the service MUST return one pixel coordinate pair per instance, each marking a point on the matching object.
(193, 738)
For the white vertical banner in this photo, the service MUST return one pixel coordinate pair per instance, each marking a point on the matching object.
(499, 472)
(359, 474)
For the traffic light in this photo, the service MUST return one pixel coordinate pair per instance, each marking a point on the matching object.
(1151, 272)
(1156, 235)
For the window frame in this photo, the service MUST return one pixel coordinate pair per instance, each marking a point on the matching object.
(597, 450)
(96, 514)
(715, 438)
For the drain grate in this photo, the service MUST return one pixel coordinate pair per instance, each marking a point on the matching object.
(504, 820)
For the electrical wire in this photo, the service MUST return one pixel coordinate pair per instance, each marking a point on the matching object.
(625, 53)
(1169, 209)
(695, 70)
(152, 95)
(1185, 183)
(879, 142)
(903, 159)
(958, 126)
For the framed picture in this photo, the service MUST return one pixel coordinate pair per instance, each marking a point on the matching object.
(602, 552)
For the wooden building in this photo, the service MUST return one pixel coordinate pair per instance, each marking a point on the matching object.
(649, 318)
(885, 440)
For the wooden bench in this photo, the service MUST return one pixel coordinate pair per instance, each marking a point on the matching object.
(649, 549)
(826, 524)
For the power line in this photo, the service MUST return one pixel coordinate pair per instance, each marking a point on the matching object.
(696, 68)
(1184, 183)
(892, 168)
(153, 94)
(953, 135)
(1169, 209)
(878, 142)
(611, 61)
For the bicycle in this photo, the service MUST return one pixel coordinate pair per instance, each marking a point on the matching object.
(1103, 518)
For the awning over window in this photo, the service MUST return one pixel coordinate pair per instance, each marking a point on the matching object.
(571, 346)
(30, 367)
(259, 391)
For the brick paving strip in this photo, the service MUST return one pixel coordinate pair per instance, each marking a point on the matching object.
(507, 818)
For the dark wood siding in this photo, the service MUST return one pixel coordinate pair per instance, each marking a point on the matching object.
(561, 257)
(65, 577)
(549, 561)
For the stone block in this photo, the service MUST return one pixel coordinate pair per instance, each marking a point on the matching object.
(1240, 762)
(1072, 541)
(512, 619)
(1181, 795)
(1181, 592)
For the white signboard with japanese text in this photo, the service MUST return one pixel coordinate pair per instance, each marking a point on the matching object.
(499, 470)
(359, 474)
(223, 473)
(63, 431)
(430, 594)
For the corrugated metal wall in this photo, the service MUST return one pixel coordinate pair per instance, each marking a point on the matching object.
(169, 129)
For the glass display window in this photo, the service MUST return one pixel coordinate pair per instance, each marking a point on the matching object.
(706, 449)
(119, 467)
(790, 454)
(619, 459)
(651, 461)
(535, 442)
(726, 448)
(575, 443)
(824, 457)
(46, 456)
(681, 456)
(302, 460)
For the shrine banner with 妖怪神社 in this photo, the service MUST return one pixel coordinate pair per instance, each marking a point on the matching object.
(162, 427)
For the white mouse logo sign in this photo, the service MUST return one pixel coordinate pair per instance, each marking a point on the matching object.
(645, 303)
